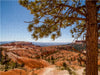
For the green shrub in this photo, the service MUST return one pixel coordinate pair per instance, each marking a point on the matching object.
(64, 65)
(22, 65)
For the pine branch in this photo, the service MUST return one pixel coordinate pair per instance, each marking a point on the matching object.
(98, 7)
(78, 51)
(74, 18)
(74, 9)
(81, 7)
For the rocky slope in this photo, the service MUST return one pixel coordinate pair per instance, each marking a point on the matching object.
(53, 60)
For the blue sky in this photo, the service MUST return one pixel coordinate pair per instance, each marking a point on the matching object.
(13, 28)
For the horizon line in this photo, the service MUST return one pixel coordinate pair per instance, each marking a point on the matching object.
(39, 41)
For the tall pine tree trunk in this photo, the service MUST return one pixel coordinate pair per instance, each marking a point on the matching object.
(91, 39)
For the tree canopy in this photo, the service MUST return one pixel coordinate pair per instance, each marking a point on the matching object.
(52, 15)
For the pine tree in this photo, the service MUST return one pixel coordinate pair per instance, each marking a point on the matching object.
(50, 16)
(52, 59)
(6, 62)
(1, 55)
(64, 65)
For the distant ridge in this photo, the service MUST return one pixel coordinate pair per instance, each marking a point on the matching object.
(49, 43)
(5, 42)
(39, 43)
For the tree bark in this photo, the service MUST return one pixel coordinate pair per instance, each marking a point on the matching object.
(91, 38)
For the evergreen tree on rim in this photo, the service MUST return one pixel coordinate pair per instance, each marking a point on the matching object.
(50, 16)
